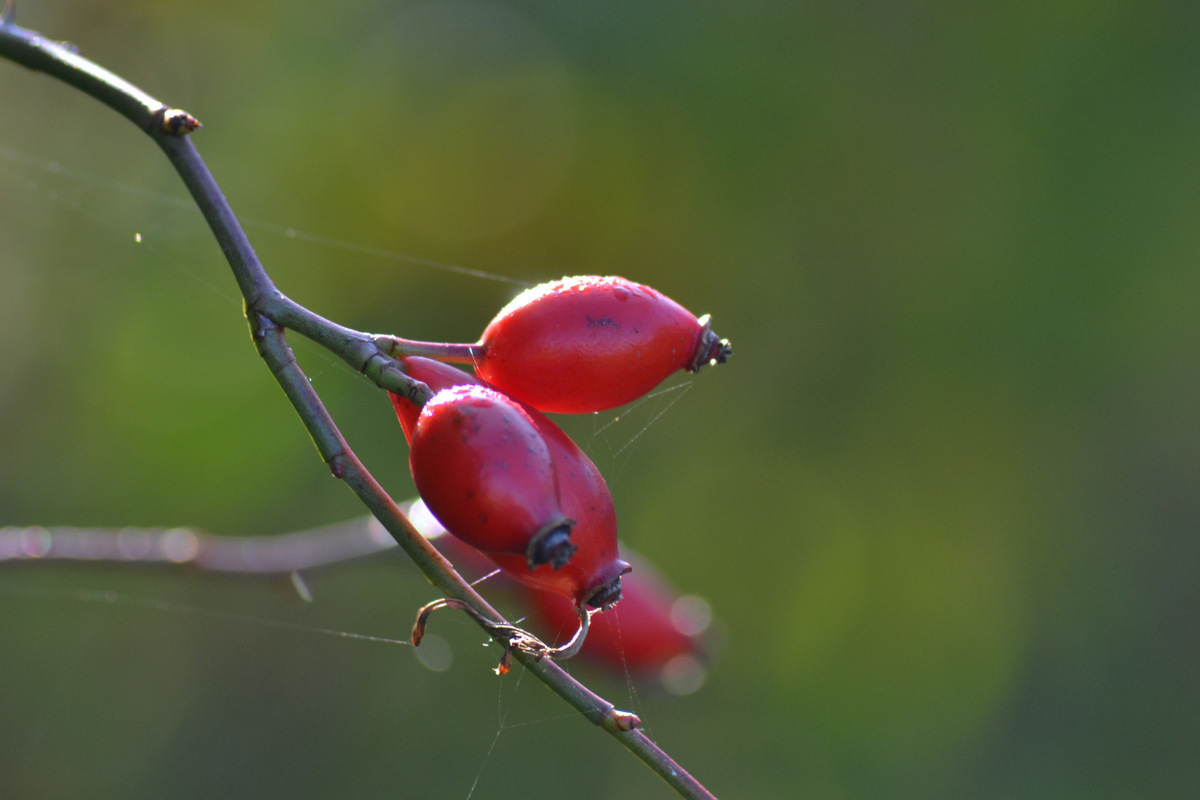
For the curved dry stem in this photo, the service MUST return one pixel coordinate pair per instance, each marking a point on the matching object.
(518, 639)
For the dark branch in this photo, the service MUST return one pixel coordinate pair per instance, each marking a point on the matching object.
(269, 312)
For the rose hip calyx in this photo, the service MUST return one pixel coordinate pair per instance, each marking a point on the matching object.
(551, 545)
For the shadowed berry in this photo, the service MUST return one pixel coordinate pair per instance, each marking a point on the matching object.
(486, 473)
(595, 568)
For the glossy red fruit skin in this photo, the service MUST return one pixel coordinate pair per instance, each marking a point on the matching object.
(487, 475)
(638, 635)
(595, 568)
(590, 343)
(434, 374)
(594, 576)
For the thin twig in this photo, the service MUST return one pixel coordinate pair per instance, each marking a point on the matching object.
(188, 547)
(269, 312)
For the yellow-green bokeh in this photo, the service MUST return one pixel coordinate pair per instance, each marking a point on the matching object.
(943, 500)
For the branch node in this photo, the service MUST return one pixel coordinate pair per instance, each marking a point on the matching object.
(262, 327)
(625, 721)
(260, 323)
(337, 464)
(384, 344)
(419, 393)
(378, 366)
(174, 121)
(611, 718)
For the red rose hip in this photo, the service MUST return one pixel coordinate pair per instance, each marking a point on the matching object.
(487, 474)
(437, 376)
(593, 574)
(592, 343)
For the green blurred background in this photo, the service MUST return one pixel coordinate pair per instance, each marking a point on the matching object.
(943, 500)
